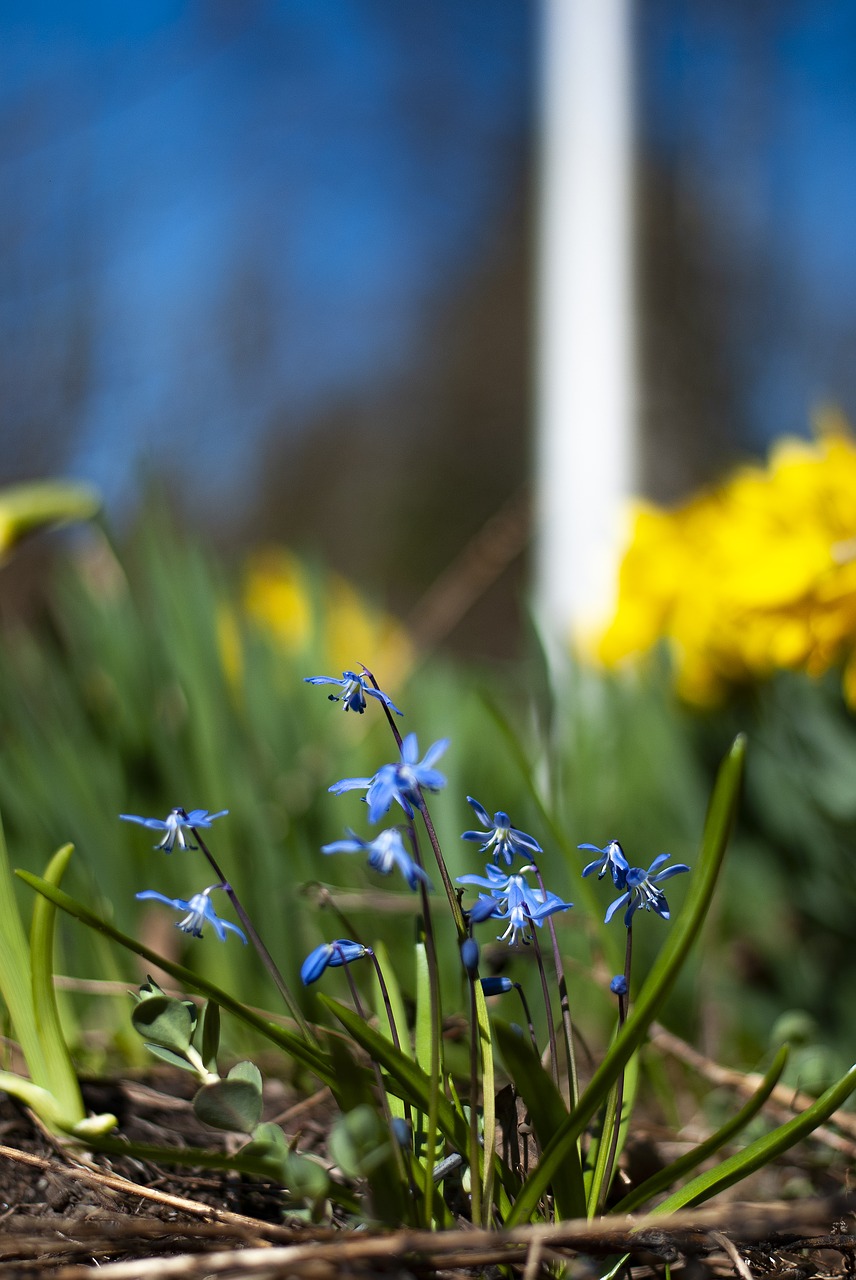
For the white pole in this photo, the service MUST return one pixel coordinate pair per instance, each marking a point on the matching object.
(585, 340)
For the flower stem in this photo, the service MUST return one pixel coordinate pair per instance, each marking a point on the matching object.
(623, 1003)
(434, 1072)
(252, 933)
(551, 1026)
(475, 1063)
(567, 1026)
(455, 906)
(528, 1014)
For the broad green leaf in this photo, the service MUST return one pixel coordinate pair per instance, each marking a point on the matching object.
(207, 1035)
(167, 1055)
(247, 1071)
(664, 972)
(166, 1022)
(359, 1141)
(234, 1104)
(762, 1150)
(547, 1112)
(680, 1168)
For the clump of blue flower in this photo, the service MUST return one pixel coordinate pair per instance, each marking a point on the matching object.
(511, 898)
(331, 955)
(499, 838)
(199, 912)
(386, 852)
(355, 688)
(402, 782)
(640, 890)
(611, 859)
(175, 824)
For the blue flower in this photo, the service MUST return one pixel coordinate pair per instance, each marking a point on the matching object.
(355, 687)
(618, 985)
(500, 837)
(401, 782)
(611, 859)
(199, 912)
(174, 825)
(513, 900)
(496, 986)
(641, 891)
(470, 956)
(385, 852)
(330, 955)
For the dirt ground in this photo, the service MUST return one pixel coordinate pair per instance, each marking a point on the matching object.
(127, 1219)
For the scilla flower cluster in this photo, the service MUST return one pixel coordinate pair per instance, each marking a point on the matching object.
(509, 897)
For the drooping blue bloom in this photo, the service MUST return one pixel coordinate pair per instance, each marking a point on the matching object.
(513, 900)
(641, 891)
(618, 985)
(199, 912)
(496, 986)
(611, 859)
(470, 956)
(330, 955)
(399, 782)
(355, 686)
(500, 837)
(386, 852)
(175, 824)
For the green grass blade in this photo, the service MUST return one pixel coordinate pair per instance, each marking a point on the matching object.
(423, 1029)
(763, 1150)
(16, 982)
(680, 1168)
(596, 1192)
(488, 1097)
(656, 988)
(311, 1057)
(547, 1112)
(62, 1080)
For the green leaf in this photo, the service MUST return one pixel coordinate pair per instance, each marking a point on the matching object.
(234, 1104)
(247, 1071)
(27, 507)
(685, 1164)
(165, 1021)
(167, 1055)
(547, 1112)
(16, 984)
(61, 1077)
(309, 1181)
(664, 972)
(206, 1038)
(488, 1097)
(359, 1142)
(760, 1152)
(268, 1152)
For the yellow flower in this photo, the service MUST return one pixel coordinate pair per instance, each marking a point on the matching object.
(755, 575)
(321, 616)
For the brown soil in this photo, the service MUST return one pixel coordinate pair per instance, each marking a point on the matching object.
(129, 1220)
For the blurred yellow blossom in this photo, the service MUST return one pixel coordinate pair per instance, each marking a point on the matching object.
(321, 615)
(755, 575)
